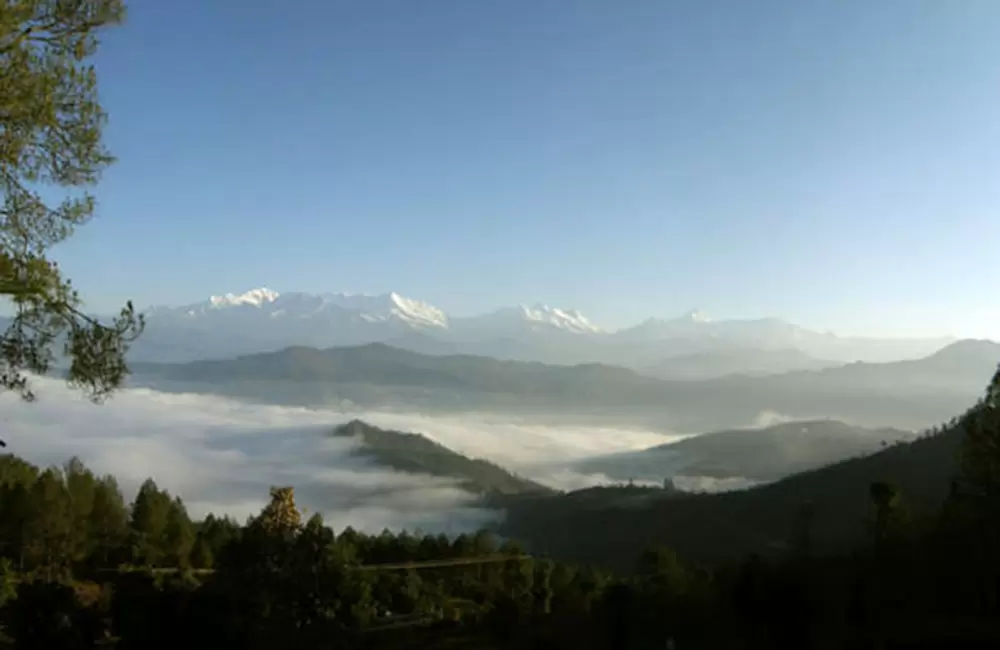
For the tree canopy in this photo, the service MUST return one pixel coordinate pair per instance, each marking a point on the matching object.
(51, 154)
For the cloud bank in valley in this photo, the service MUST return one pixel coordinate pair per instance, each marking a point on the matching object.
(543, 453)
(222, 455)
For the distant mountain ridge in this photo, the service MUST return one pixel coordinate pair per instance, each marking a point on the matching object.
(902, 394)
(263, 320)
(734, 361)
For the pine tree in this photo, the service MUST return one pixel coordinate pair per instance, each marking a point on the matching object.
(217, 533)
(16, 512)
(80, 486)
(884, 498)
(50, 528)
(179, 535)
(108, 522)
(51, 142)
(150, 517)
(543, 587)
(14, 470)
(201, 554)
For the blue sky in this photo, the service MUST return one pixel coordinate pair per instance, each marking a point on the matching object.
(833, 163)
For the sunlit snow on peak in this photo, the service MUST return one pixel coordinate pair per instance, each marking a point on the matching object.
(381, 308)
(255, 297)
(565, 319)
(417, 312)
(390, 307)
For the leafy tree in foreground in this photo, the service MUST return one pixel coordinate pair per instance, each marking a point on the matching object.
(280, 515)
(50, 144)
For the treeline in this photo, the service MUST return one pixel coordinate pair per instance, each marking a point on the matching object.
(66, 520)
(79, 565)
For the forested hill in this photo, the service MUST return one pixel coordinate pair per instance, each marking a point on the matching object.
(730, 525)
(413, 452)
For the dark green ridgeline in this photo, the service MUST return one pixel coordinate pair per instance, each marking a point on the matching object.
(415, 453)
(728, 526)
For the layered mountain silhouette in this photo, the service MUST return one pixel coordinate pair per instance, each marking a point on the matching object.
(904, 394)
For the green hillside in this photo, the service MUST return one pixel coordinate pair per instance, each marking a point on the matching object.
(727, 526)
(412, 452)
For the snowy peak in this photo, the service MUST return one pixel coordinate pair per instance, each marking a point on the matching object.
(510, 321)
(569, 320)
(255, 297)
(387, 308)
(417, 312)
(390, 306)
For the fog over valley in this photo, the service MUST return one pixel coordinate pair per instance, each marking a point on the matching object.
(222, 455)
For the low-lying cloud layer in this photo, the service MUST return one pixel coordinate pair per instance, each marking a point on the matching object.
(222, 455)
(542, 453)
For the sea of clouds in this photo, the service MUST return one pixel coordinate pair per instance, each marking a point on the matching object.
(222, 455)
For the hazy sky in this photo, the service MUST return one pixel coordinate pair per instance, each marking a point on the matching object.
(833, 163)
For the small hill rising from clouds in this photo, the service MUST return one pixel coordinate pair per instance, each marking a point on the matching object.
(415, 453)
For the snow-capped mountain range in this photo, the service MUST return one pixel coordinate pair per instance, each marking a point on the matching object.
(384, 308)
(387, 307)
(261, 320)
